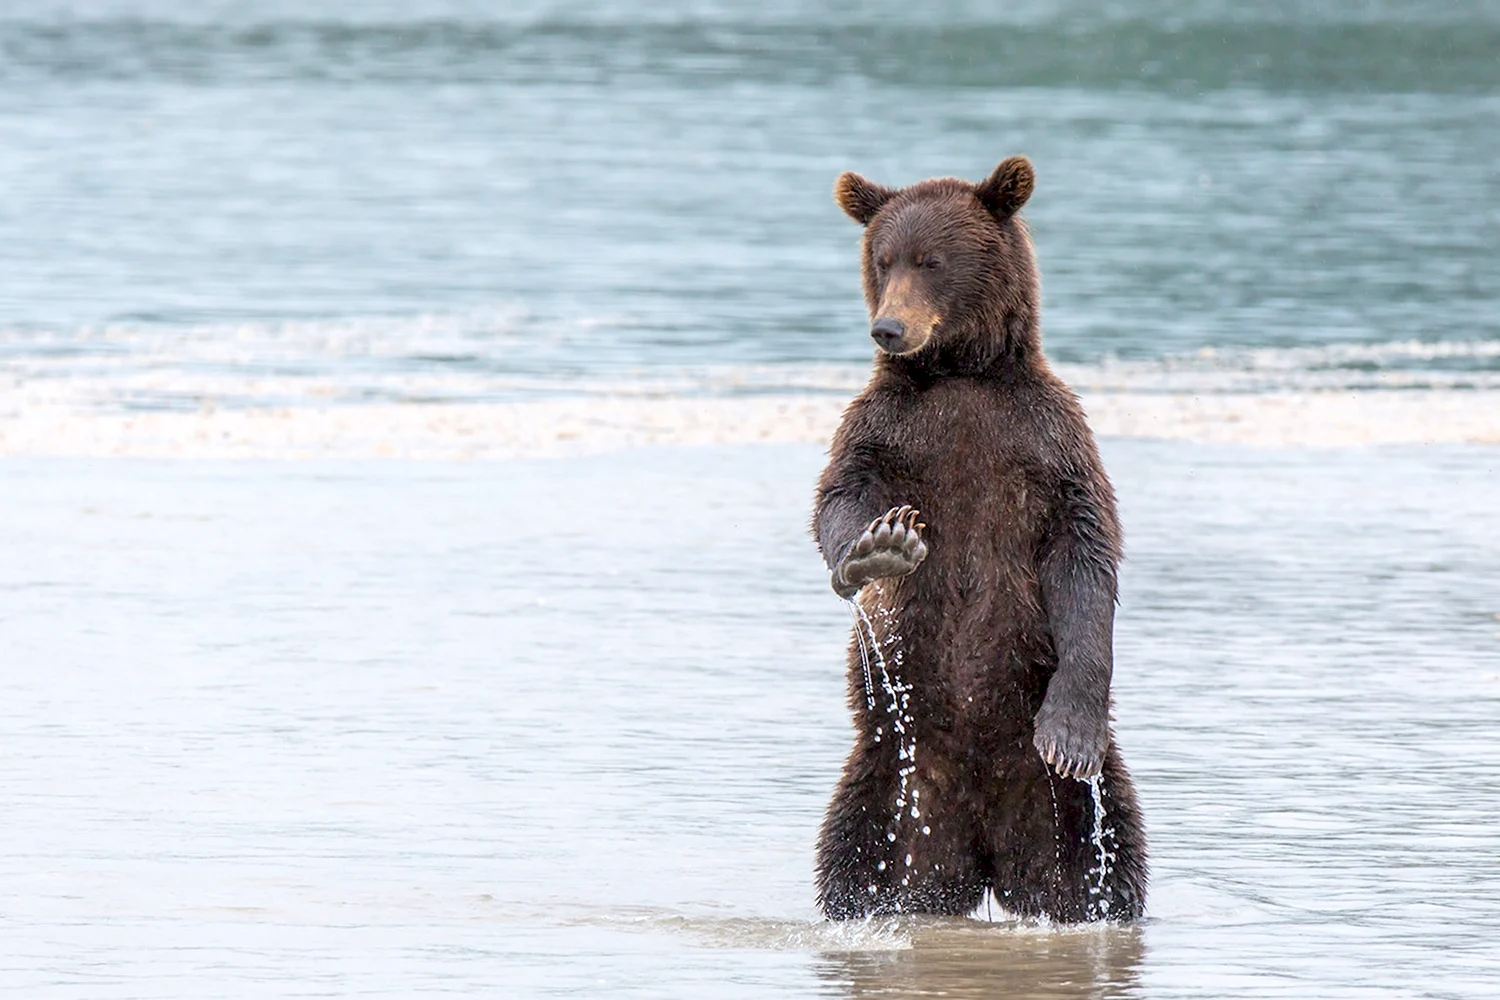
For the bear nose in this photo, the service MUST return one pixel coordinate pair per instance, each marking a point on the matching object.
(888, 331)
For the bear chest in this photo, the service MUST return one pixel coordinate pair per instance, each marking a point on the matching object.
(969, 466)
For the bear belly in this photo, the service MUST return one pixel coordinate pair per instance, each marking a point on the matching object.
(975, 655)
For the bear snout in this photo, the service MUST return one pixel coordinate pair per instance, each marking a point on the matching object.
(888, 332)
(905, 320)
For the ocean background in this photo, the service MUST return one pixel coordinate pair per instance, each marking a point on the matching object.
(408, 420)
(406, 201)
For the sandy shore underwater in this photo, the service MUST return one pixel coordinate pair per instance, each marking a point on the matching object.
(604, 423)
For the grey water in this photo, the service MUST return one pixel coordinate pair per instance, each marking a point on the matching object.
(564, 189)
(543, 728)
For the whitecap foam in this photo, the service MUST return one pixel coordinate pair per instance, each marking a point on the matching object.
(437, 388)
(562, 428)
(1403, 365)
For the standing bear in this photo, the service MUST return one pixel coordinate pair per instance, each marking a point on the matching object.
(965, 510)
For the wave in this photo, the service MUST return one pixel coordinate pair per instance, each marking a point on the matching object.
(499, 355)
(1296, 53)
(574, 427)
(449, 387)
(1410, 364)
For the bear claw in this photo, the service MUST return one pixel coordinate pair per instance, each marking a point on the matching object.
(890, 546)
(1072, 748)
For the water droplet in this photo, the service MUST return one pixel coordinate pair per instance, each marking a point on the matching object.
(897, 695)
(1099, 907)
(864, 656)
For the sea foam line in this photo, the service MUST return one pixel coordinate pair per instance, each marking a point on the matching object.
(562, 428)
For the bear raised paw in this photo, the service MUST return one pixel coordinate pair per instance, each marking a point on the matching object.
(980, 764)
(891, 546)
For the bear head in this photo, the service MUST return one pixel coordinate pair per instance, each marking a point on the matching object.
(949, 271)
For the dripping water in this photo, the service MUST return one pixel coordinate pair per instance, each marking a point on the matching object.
(1099, 891)
(898, 708)
(1056, 822)
(857, 614)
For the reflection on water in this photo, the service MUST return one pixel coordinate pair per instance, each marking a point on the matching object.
(967, 960)
(916, 956)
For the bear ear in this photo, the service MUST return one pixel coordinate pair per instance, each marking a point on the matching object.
(860, 199)
(1008, 187)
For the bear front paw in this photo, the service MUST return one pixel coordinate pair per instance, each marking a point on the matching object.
(891, 546)
(1072, 743)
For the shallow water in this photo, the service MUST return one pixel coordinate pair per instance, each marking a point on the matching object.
(555, 728)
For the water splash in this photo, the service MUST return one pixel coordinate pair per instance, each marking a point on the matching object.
(1100, 893)
(1056, 821)
(857, 613)
(898, 708)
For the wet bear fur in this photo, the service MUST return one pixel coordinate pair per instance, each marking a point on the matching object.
(994, 607)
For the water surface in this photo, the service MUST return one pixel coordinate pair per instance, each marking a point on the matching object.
(554, 728)
(599, 188)
(550, 728)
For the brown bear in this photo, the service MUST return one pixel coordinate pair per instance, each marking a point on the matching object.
(979, 673)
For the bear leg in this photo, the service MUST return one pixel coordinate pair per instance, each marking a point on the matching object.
(875, 858)
(1047, 862)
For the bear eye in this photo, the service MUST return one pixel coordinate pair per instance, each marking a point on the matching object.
(932, 262)
(883, 264)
